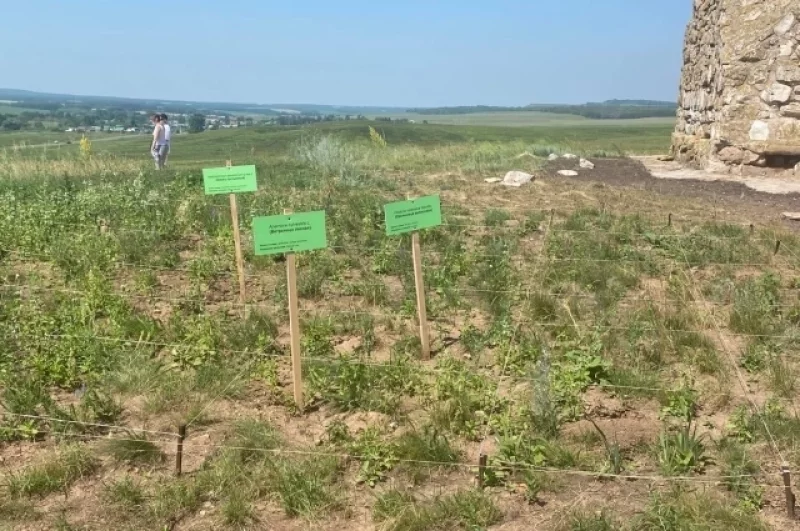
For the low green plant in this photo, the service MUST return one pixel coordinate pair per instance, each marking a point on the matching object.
(125, 493)
(462, 510)
(782, 378)
(350, 384)
(755, 305)
(423, 448)
(238, 512)
(740, 471)
(134, 449)
(681, 451)
(57, 474)
(306, 487)
(680, 509)
(496, 217)
(599, 521)
(462, 400)
(391, 504)
(376, 456)
(680, 404)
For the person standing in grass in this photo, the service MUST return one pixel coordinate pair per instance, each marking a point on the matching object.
(167, 139)
(158, 146)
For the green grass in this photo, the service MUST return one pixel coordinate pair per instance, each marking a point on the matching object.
(57, 474)
(134, 449)
(462, 510)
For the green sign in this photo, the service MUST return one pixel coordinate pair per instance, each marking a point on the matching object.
(412, 215)
(290, 233)
(230, 180)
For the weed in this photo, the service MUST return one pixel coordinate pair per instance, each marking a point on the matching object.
(124, 493)
(464, 509)
(755, 305)
(426, 446)
(599, 521)
(56, 475)
(354, 385)
(680, 510)
(740, 470)
(680, 404)
(782, 378)
(305, 488)
(496, 217)
(134, 449)
(377, 457)
(462, 400)
(391, 504)
(237, 511)
(681, 451)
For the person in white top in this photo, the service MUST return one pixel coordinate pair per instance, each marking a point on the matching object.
(167, 139)
(158, 145)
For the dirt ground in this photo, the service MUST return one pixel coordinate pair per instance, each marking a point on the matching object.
(726, 196)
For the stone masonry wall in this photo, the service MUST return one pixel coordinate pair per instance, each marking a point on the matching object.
(739, 98)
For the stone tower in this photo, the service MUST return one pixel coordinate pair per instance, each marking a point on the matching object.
(739, 99)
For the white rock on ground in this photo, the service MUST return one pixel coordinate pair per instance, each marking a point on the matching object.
(569, 156)
(793, 216)
(492, 180)
(516, 178)
(553, 156)
(587, 164)
(568, 173)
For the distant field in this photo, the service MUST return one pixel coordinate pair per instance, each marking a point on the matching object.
(260, 143)
(244, 144)
(526, 119)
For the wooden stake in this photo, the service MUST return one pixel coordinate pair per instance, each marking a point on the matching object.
(294, 326)
(179, 450)
(777, 246)
(482, 471)
(237, 242)
(422, 312)
(787, 486)
(669, 220)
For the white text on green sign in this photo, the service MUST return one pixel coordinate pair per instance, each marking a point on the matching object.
(413, 215)
(290, 233)
(230, 180)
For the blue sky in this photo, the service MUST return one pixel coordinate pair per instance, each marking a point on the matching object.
(349, 52)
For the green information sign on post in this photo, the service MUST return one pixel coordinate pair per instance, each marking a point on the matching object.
(230, 180)
(413, 215)
(290, 233)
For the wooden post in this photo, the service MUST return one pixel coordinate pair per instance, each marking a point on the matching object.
(294, 326)
(422, 312)
(482, 471)
(237, 242)
(787, 486)
(669, 220)
(179, 450)
(777, 246)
